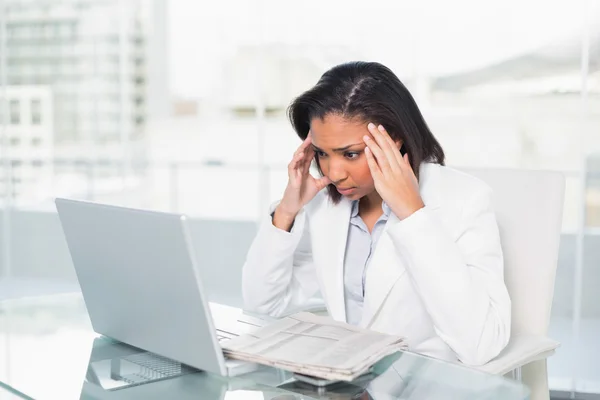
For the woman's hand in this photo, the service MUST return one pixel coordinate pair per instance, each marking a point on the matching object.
(394, 178)
(302, 187)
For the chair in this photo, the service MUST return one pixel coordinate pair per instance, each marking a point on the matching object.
(528, 207)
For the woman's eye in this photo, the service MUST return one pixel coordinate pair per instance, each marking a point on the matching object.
(319, 153)
(352, 155)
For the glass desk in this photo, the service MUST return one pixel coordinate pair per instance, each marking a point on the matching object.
(49, 351)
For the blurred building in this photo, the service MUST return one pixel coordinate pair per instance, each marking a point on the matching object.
(95, 56)
(27, 112)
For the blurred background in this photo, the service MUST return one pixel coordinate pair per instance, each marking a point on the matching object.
(178, 105)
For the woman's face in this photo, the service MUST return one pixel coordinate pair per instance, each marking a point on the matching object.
(339, 147)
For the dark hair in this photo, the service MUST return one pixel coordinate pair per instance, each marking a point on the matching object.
(370, 92)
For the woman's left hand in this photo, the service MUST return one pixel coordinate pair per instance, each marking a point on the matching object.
(394, 178)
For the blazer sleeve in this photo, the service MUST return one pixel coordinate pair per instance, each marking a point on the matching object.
(279, 274)
(460, 281)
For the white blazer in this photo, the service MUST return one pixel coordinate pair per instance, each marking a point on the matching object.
(436, 277)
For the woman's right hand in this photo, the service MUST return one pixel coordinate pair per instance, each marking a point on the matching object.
(302, 187)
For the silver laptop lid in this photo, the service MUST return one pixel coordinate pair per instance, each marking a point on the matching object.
(140, 280)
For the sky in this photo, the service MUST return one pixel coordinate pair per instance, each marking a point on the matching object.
(433, 37)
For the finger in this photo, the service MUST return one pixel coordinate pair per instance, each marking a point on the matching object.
(378, 155)
(373, 167)
(408, 166)
(293, 162)
(299, 167)
(385, 147)
(307, 142)
(310, 154)
(302, 148)
(386, 135)
(298, 158)
(392, 144)
(309, 150)
(293, 165)
(322, 182)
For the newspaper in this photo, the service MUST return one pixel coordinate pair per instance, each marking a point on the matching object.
(315, 346)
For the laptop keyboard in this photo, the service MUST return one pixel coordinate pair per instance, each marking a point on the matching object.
(146, 367)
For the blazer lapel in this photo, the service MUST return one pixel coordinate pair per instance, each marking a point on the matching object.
(331, 235)
(386, 268)
(383, 272)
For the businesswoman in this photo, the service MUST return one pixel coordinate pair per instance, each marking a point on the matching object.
(392, 239)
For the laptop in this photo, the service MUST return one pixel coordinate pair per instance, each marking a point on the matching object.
(141, 285)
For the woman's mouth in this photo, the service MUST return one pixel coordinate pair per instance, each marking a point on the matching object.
(345, 191)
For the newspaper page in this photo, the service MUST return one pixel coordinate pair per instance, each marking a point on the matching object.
(315, 346)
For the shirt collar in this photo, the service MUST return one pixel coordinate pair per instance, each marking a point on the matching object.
(386, 209)
(354, 212)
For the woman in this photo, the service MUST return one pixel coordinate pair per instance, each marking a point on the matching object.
(393, 240)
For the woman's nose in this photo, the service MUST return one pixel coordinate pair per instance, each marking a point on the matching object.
(337, 173)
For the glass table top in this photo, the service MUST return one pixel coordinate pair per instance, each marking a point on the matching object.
(48, 350)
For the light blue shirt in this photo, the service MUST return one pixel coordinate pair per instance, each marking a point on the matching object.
(360, 246)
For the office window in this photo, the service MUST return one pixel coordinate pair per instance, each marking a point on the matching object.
(67, 31)
(37, 30)
(497, 88)
(15, 112)
(36, 112)
(15, 141)
(48, 31)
